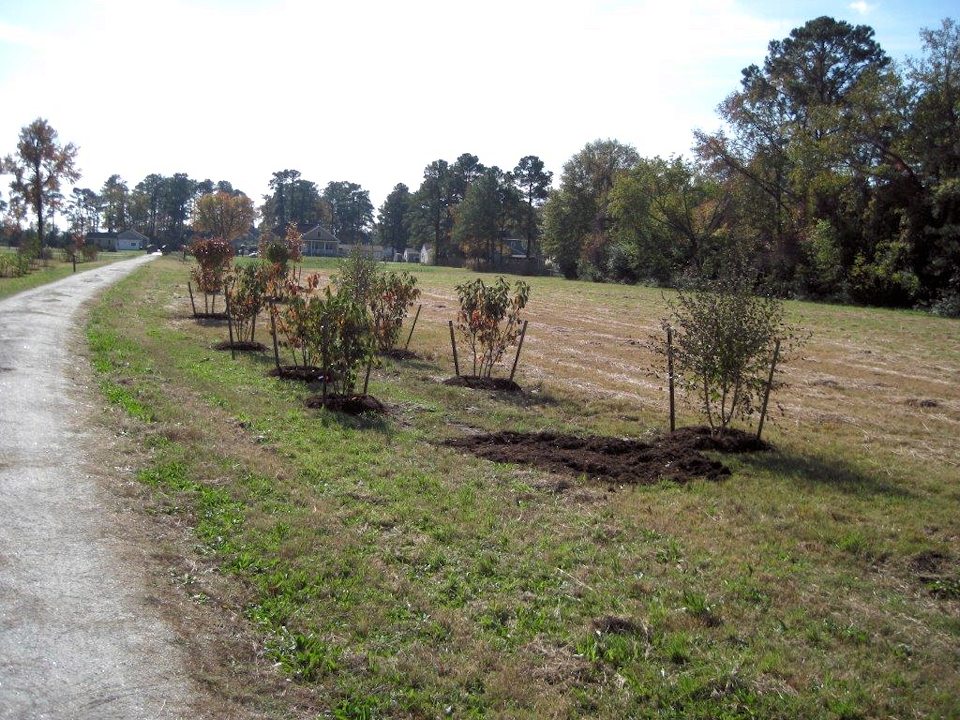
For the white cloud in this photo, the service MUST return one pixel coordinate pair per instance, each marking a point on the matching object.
(862, 7)
(21, 36)
(372, 90)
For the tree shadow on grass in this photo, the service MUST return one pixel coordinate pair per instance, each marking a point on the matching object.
(815, 472)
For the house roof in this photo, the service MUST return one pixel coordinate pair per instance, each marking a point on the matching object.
(319, 233)
(100, 235)
(132, 235)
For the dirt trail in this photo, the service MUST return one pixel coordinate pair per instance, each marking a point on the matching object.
(79, 636)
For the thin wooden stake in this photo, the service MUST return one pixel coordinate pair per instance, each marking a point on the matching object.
(273, 332)
(673, 410)
(366, 380)
(192, 303)
(415, 317)
(523, 334)
(233, 352)
(73, 257)
(766, 392)
(453, 341)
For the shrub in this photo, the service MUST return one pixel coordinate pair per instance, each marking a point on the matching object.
(246, 290)
(325, 330)
(490, 319)
(724, 343)
(90, 252)
(357, 276)
(213, 256)
(339, 334)
(290, 315)
(392, 295)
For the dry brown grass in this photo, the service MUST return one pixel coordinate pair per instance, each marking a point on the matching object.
(806, 557)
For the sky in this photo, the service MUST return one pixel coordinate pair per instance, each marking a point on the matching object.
(372, 91)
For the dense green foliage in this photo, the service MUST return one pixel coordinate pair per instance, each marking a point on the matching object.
(838, 174)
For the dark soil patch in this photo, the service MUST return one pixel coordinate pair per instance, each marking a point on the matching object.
(922, 403)
(928, 562)
(211, 318)
(938, 573)
(349, 404)
(613, 625)
(303, 373)
(484, 383)
(400, 354)
(241, 346)
(676, 456)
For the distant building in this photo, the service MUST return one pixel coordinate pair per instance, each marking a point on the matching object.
(320, 242)
(132, 240)
(426, 255)
(376, 252)
(246, 243)
(125, 240)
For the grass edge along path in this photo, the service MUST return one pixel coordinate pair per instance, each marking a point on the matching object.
(57, 270)
(385, 577)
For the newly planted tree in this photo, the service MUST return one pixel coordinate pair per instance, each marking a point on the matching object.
(490, 319)
(392, 295)
(338, 332)
(290, 319)
(214, 256)
(726, 339)
(246, 291)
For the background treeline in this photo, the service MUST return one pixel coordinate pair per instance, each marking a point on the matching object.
(837, 171)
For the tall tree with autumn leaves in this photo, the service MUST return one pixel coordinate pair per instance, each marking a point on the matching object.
(39, 168)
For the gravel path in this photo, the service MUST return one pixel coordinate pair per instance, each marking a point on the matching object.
(79, 637)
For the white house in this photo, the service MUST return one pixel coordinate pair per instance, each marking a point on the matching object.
(132, 240)
(411, 255)
(426, 255)
(320, 241)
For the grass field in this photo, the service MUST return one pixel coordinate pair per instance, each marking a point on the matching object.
(356, 569)
(55, 270)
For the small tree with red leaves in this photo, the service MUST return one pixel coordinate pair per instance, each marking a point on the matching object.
(213, 256)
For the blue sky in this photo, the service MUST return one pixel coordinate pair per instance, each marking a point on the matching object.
(371, 91)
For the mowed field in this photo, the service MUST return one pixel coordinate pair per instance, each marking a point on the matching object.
(327, 566)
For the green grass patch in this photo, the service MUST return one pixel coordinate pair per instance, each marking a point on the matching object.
(388, 576)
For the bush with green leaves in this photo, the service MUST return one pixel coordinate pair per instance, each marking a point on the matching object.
(13, 264)
(339, 334)
(392, 295)
(490, 319)
(357, 275)
(724, 342)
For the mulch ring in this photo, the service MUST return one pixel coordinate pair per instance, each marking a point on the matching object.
(241, 346)
(400, 354)
(484, 383)
(349, 404)
(676, 456)
(211, 318)
(303, 373)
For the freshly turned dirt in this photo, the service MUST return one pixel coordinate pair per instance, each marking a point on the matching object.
(400, 354)
(484, 383)
(675, 456)
(241, 346)
(349, 404)
(304, 373)
(219, 317)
